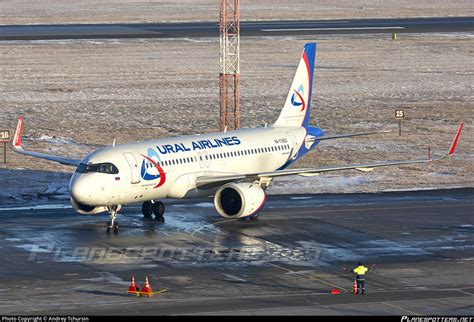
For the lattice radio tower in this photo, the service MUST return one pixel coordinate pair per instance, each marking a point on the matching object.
(229, 77)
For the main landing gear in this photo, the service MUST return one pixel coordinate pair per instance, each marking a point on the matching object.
(112, 224)
(156, 208)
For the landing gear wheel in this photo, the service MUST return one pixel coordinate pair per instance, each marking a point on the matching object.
(112, 224)
(115, 227)
(159, 210)
(147, 209)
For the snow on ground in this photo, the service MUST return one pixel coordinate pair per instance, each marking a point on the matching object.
(77, 96)
(109, 11)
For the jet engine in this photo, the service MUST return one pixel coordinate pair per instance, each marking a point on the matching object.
(87, 209)
(239, 200)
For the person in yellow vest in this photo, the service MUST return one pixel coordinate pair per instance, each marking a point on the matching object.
(360, 271)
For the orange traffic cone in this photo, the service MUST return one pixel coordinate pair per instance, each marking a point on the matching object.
(355, 287)
(147, 288)
(133, 288)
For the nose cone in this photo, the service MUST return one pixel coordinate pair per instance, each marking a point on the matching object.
(83, 189)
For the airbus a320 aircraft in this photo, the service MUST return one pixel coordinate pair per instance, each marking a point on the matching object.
(235, 166)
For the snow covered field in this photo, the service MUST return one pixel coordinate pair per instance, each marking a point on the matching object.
(109, 11)
(79, 95)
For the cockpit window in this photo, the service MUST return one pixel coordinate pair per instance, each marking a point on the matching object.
(98, 167)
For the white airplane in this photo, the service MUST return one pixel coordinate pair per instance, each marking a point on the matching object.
(235, 166)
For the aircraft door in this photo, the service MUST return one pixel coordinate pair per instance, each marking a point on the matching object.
(207, 159)
(294, 146)
(134, 169)
(200, 159)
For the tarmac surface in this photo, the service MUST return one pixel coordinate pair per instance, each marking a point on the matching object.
(257, 28)
(419, 245)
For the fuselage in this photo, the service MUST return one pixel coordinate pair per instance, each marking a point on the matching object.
(168, 168)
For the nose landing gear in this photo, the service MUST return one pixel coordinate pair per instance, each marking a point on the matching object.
(113, 224)
(156, 208)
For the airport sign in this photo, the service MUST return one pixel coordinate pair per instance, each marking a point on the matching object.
(5, 136)
(399, 114)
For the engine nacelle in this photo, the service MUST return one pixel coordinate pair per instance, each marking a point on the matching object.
(86, 209)
(239, 200)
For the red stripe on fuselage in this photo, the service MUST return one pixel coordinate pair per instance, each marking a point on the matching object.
(160, 171)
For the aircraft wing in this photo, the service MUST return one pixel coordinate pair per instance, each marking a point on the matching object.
(17, 147)
(212, 180)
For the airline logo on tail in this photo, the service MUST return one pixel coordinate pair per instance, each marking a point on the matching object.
(151, 170)
(297, 98)
(295, 112)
